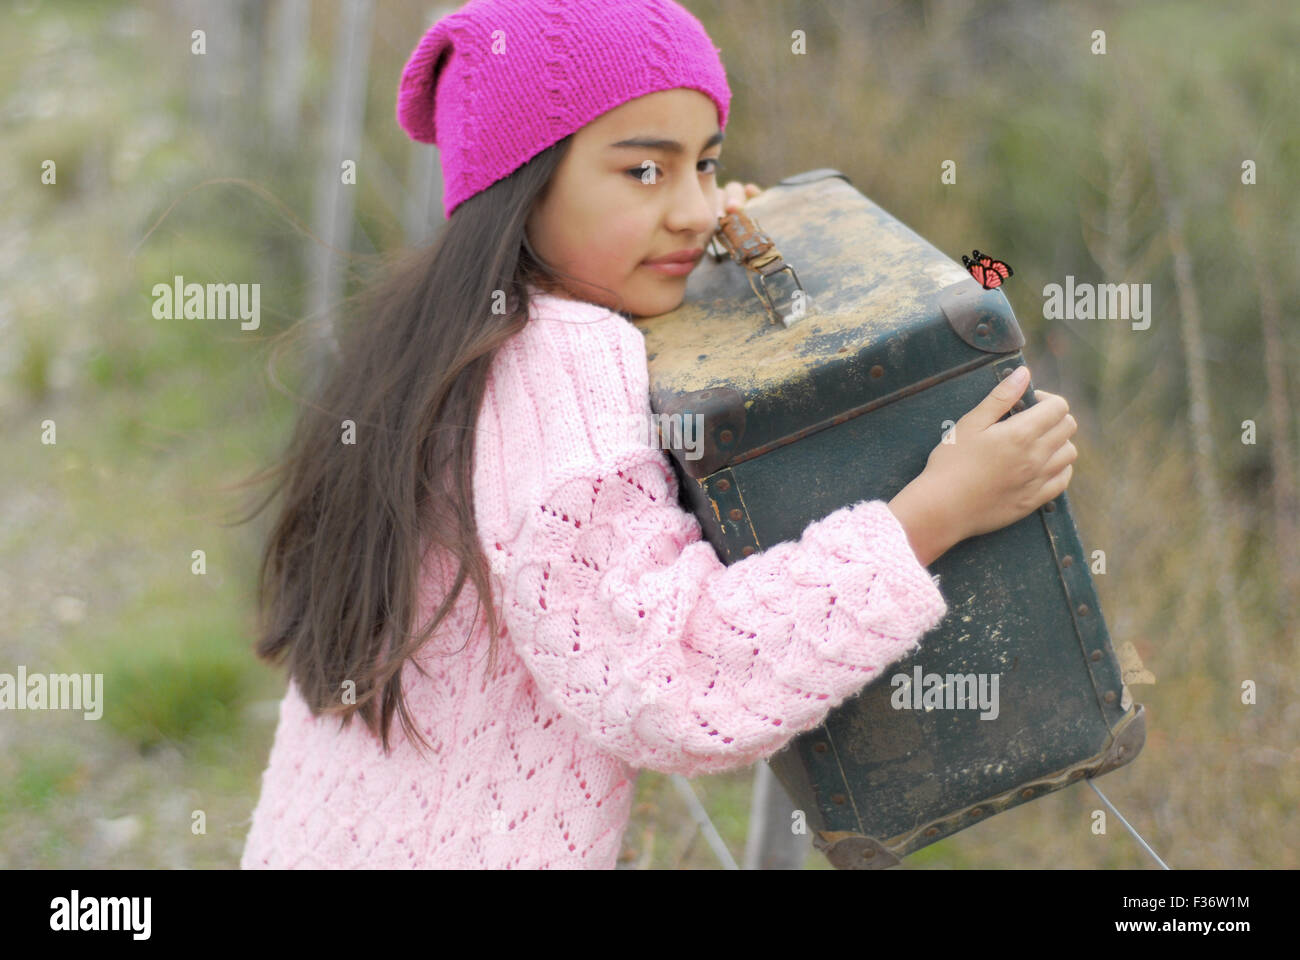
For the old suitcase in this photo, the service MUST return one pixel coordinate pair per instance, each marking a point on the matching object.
(824, 372)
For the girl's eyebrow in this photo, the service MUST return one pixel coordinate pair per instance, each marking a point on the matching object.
(670, 146)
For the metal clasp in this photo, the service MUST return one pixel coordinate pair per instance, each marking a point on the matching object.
(787, 318)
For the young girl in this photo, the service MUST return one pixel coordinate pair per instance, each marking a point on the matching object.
(474, 430)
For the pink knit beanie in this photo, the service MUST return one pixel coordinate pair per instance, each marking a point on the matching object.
(498, 81)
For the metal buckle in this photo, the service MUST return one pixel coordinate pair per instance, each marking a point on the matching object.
(787, 319)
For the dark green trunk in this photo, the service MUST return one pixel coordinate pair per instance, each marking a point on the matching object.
(845, 404)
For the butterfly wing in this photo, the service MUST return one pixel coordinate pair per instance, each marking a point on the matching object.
(996, 266)
(989, 273)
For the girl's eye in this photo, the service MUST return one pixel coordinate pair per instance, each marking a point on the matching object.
(642, 171)
(643, 174)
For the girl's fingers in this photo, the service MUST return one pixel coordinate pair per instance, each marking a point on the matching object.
(735, 194)
(723, 201)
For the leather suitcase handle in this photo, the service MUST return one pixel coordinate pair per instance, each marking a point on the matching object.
(751, 247)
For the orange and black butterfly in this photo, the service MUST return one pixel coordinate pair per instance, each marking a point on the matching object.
(989, 272)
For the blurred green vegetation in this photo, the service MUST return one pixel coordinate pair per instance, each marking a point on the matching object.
(153, 417)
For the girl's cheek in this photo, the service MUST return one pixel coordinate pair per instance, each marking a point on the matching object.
(625, 243)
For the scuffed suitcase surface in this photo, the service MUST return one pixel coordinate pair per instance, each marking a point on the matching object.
(844, 405)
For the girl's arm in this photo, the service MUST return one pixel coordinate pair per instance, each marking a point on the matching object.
(631, 625)
(670, 660)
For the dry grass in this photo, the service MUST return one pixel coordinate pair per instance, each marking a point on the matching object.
(1052, 174)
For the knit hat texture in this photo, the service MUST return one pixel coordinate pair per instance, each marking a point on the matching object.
(498, 81)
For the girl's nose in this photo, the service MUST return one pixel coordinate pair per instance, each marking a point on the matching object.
(694, 206)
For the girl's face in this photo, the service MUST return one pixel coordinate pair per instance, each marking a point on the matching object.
(637, 183)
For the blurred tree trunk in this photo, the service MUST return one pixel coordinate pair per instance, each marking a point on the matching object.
(290, 36)
(771, 844)
(422, 216)
(335, 200)
(1109, 247)
(1213, 508)
(227, 76)
(1110, 244)
(252, 77)
(1286, 534)
(212, 72)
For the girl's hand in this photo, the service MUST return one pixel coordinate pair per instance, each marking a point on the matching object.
(734, 195)
(998, 471)
(992, 473)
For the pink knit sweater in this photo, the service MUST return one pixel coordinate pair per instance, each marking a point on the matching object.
(627, 643)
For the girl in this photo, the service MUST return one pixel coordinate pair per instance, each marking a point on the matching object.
(474, 429)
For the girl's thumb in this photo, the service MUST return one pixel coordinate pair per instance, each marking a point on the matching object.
(1002, 398)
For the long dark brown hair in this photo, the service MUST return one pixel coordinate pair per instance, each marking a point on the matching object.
(339, 578)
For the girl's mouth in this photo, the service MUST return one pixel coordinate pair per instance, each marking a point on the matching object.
(672, 269)
(676, 264)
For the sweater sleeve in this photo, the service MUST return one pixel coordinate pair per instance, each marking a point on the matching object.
(660, 653)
